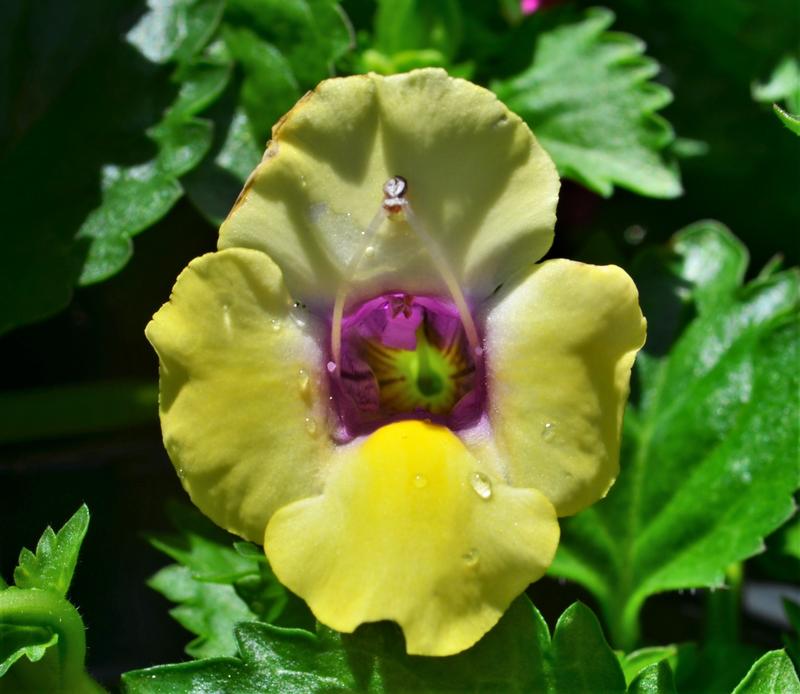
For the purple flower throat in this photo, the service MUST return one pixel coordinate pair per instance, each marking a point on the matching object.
(398, 356)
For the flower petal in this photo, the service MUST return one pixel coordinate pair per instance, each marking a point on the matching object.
(240, 389)
(478, 181)
(412, 528)
(560, 346)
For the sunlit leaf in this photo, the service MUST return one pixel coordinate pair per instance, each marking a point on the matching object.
(589, 98)
(709, 461)
(518, 655)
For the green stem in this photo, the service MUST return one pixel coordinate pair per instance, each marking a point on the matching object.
(42, 608)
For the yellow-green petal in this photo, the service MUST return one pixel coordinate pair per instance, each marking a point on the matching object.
(412, 528)
(242, 397)
(560, 346)
(478, 181)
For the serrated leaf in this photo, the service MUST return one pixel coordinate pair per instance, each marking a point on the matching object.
(175, 29)
(20, 641)
(53, 564)
(209, 610)
(715, 422)
(773, 673)
(202, 547)
(516, 656)
(589, 98)
(136, 197)
(216, 584)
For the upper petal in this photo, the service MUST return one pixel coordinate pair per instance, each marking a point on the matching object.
(411, 527)
(479, 183)
(560, 346)
(242, 396)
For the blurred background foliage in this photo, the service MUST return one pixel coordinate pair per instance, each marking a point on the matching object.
(127, 129)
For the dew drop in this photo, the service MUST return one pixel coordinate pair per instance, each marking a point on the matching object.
(331, 366)
(369, 252)
(548, 431)
(472, 557)
(276, 325)
(420, 481)
(481, 484)
(311, 426)
(304, 381)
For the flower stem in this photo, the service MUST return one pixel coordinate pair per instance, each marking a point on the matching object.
(46, 609)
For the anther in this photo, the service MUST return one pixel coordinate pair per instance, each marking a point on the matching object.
(394, 191)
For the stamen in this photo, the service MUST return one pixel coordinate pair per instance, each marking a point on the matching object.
(448, 276)
(341, 292)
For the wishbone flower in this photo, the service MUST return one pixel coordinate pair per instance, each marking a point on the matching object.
(374, 379)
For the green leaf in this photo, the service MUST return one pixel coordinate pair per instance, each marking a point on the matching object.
(411, 34)
(654, 679)
(773, 673)
(174, 30)
(633, 664)
(589, 99)
(311, 34)
(403, 25)
(790, 121)
(516, 656)
(202, 547)
(18, 641)
(214, 185)
(217, 585)
(75, 202)
(577, 634)
(270, 88)
(209, 610)
(136, 197)
(53, 564)
(42, 636)
(783, 85)
(714, 421)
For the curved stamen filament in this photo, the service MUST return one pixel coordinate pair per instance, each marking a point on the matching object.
(448, 276)
(341, 292)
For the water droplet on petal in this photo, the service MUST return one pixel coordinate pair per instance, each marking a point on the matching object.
(420, 481)
(548, 431)
(369, 251)
(311, 426)
(481, 484)
(276, 325)
(331, 366)
(479, 351)
(472, 557)
(304, 381)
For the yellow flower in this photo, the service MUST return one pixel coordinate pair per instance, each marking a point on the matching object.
(374, 379)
